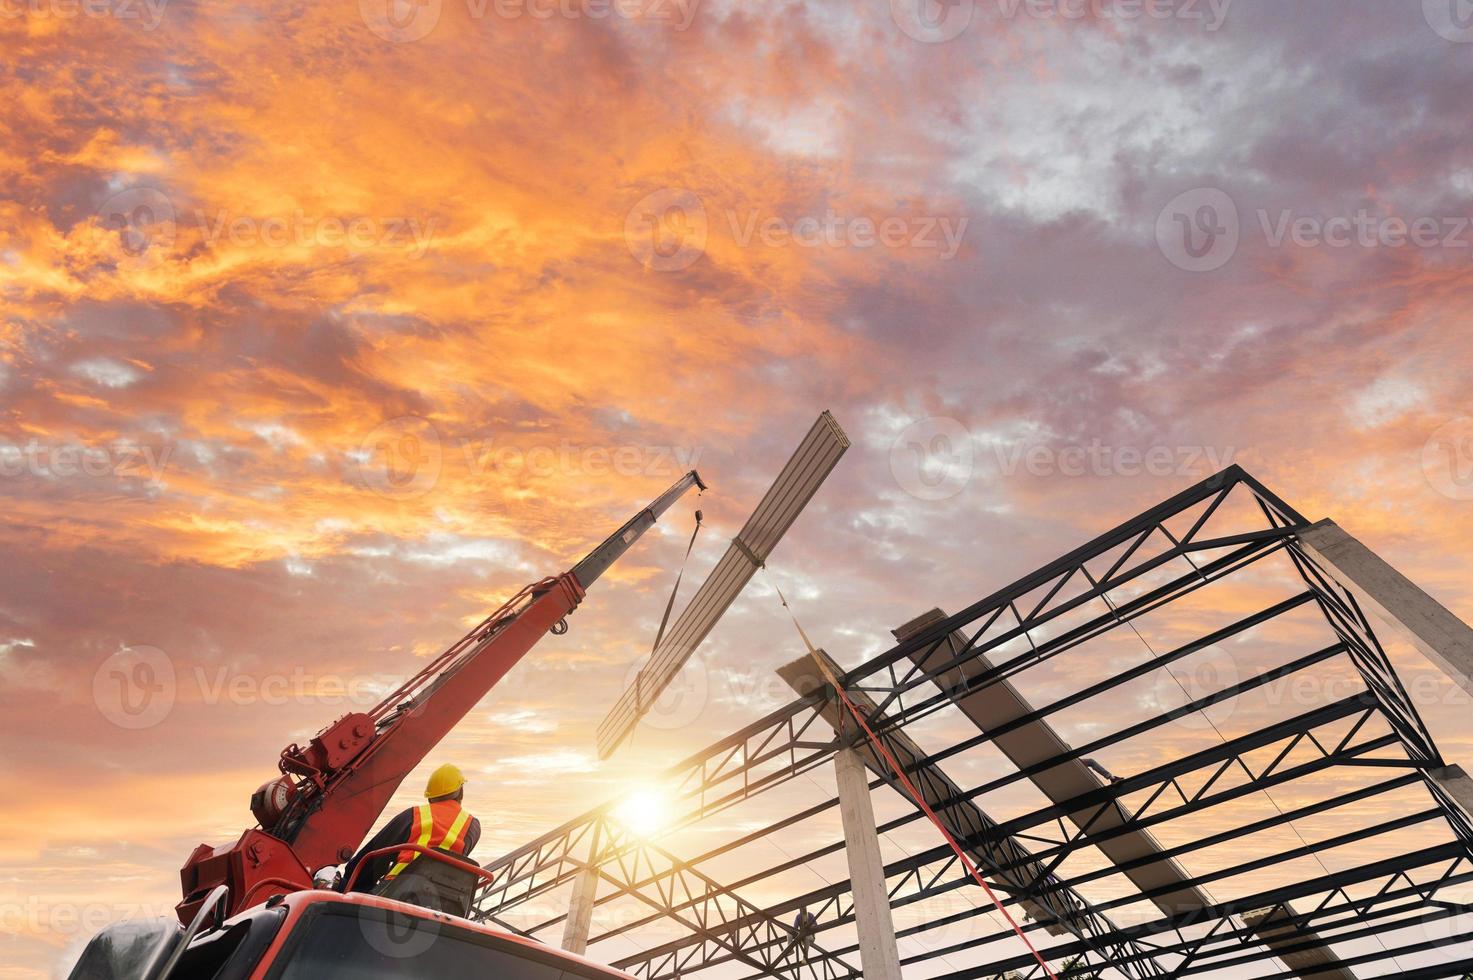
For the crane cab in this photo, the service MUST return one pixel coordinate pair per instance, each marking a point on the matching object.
(324, 935)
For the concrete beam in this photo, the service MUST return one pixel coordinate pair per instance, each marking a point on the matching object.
(1457, 784)
(580, 911)
(1000, 703)
(1319, 962)
(1390, 596)
(879, 956)
(963, 820)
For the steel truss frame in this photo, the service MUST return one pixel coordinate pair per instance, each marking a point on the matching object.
(1142, 566)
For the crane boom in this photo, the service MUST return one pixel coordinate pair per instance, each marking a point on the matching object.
(333, 789)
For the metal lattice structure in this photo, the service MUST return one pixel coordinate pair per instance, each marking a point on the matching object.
(1225, 882)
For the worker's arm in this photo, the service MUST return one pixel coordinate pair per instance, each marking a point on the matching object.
(472, 836)
(396, 831)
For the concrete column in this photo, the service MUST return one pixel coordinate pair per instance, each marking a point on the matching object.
(580, 911)
(878, 955)
(1390, 596)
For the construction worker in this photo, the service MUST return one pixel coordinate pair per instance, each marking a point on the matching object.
(440, 823)
(805, 924)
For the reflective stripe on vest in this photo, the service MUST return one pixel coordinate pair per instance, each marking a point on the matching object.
(439, 825)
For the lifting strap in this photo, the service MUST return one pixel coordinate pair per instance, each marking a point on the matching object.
(665, 619)
(910, 789)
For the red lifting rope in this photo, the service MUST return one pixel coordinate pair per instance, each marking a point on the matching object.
(915, 796)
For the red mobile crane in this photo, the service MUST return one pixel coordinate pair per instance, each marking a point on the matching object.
(332, 790)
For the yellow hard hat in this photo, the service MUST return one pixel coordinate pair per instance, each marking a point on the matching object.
(444, 781)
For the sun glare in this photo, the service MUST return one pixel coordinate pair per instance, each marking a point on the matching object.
(644, 811)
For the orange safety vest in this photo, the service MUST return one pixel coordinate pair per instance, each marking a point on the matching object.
(441, 825)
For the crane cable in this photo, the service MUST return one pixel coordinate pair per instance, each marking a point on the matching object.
(909, 786)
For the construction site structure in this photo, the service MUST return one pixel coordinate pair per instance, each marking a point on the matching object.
(1180, 750)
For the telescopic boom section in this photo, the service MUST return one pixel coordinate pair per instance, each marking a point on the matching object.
(336, 786)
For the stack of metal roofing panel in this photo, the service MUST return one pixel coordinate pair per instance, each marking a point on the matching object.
(799, 480)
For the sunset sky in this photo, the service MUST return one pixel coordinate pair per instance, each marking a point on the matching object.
(328, 326)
